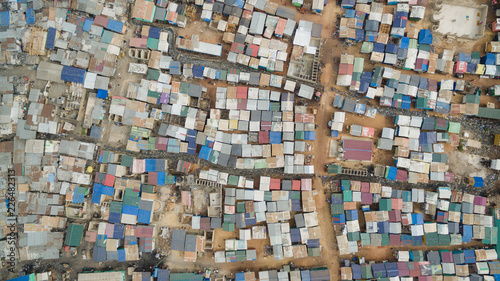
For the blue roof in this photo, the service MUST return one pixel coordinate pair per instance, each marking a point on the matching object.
(154, 32)
(489, 59)
(198, 71)
(406, 104)
(240, 276)
(239, 3)
(467, 233)
(115, 26)
(383, 227)
(118, 231)
(470, 256)
(51, 38)
(350, 13)
(121, 255)
(144, 216)
(295, 235)
(360, 35)
(73, 74)
(339, 219)
(30, 16)
(356, 271)
(392, 269)
(313, 243)
(306, 275)
(391, 48)
(102, 94)
(99, 253)
(275, 137)
(5, 18)
(379, 270)
(464, 57)
(378, 47)
(308, 135)
(205, 152)
(425, 36)
(114, 217)
(130, 210)
(417, 218)
(88, 24)
(161, 274)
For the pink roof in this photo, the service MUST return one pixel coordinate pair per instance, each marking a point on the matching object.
(295, 184)
(365, 187)
(152, 178)
(138, 42)
(186, 198)
(479, 200)
(306, 184)
(110, 180)
(142, 231)
(110, 228)
(275, 184)
(368, 132)
(280, 26)
(138, 166)
(101, 21)
(366, 198)
(358, 145)
(357, 155)
(91, 236)
(397, 204)
(460, 67)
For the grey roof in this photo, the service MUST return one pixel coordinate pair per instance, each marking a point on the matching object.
(257, 24)
(453, 227)
(467, 208)
(459, 258)
(299, 220)
(190, 244)
(215, 223)
(178, 239)
(195, 90)
(434, 258)
(286, 12)
(385, 144)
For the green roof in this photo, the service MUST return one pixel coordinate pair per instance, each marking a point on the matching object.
(431, 239)
(153, 74)
(454, 127)
(299, 135)
(353, 236)
(491, 113)
(365, 239)
(294, 194)
(127, 160)
(115, 207)
(455, 207)
(337, 209)
(74, 235)
(472, 99)
(347, 195)
(232, 180)
(386, 240)
(146, 188)
(346, 184)
(228, 226)
(240, 207)
(334, 169)
(153, 43)
(385, 204)
(185, 277)
(366, 271)
(314, 252)
(417, 255)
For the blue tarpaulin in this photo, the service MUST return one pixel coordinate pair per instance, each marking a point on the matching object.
(30, 17)
(121, 255)
(24, 278)
(115, 26)
(73, 74)
(51, 38)
(478, 182)
(391, 173)
(205, 152)
(425, 36)
(102, 94)
(150, 165)
(406, 104)
(404, 43)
